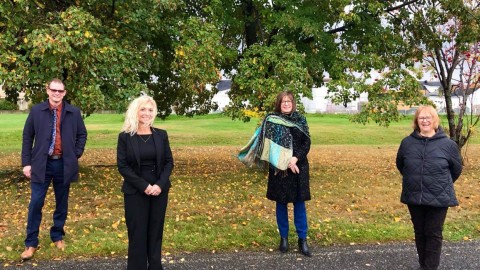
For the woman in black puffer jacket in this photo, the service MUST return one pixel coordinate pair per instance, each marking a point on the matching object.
(430, 163)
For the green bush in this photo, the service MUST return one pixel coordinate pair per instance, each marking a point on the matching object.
(6, 105)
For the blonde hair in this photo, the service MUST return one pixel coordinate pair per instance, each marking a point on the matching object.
(131, 116)
(430, 110)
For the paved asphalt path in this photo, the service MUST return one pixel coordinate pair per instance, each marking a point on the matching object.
(396, 256)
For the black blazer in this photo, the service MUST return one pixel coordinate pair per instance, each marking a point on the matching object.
(128, 162)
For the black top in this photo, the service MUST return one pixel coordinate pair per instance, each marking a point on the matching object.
(129, 161)
(148, 157)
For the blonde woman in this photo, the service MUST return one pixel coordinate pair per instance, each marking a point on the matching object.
(430, 163)
(145, 161)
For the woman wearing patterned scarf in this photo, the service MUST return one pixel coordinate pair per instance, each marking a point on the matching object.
(282, 143)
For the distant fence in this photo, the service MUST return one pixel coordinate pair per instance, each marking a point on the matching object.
(13, 111)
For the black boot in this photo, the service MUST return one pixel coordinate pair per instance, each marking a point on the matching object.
(303, 247)
(283, 245)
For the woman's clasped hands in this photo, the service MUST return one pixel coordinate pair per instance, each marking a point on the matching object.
(153, 190)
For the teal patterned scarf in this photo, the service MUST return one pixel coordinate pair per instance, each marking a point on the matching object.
(272, 141)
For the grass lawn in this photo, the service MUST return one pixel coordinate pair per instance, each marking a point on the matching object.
(216, 204)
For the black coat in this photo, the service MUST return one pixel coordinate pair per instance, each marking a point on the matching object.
(292, 187)
(429, 167)
(128, 162)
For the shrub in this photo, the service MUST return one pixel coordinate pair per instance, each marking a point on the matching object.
(6, 105)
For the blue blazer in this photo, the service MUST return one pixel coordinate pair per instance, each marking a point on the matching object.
(128, 162)
(37, 134)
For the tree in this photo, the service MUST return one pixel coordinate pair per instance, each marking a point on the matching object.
(109, 51)
(46, 39)
(283, 45)
(443, 37)
(293, 45)
(446, 36)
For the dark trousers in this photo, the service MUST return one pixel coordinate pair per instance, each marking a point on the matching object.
(428, 226)
(299, 218)
(53, 173)
(145, 218)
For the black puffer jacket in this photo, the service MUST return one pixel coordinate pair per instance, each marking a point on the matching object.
(429, 167)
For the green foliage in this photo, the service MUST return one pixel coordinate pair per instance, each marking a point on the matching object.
(7, 105)
(385, 95)
(105, 58)
(402, 42)
(72, 44)
(198, 57)
(445, 36)
(111, 51)
(258, 83)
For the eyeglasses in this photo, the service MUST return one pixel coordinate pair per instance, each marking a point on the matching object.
(286, 102)
(426, 118)
(57, 90)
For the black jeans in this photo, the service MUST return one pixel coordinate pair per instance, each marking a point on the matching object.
(428, 226)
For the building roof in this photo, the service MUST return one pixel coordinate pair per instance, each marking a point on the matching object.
(432, 88)
(224, 85)
(435, 88)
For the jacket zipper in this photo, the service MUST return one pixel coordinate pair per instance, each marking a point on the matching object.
(423, 167)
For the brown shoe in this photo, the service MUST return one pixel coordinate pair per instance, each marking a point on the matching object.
(28, 253)
(60, 244)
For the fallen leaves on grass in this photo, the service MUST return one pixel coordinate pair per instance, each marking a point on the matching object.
(217, 203)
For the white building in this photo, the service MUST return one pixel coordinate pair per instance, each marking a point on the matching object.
(321, 104)
(21, 103)
(434, 92)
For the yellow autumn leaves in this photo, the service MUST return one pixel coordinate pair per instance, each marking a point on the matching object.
(218, 204)
(115, 227)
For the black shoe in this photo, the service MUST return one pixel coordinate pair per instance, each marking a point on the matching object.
(283, 245)
(303, 247)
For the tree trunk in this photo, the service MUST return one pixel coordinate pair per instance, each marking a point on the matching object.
(249, 11)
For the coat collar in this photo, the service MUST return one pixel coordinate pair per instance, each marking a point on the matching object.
(438, 135)
(46, 106)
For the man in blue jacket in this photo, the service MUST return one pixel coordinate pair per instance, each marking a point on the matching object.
(54, 138)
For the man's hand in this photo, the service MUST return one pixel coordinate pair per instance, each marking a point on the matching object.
(27, 171)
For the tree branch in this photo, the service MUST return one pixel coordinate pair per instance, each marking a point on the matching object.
(344, 27)
(113, 9)
(401, 5)
(39, 5)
